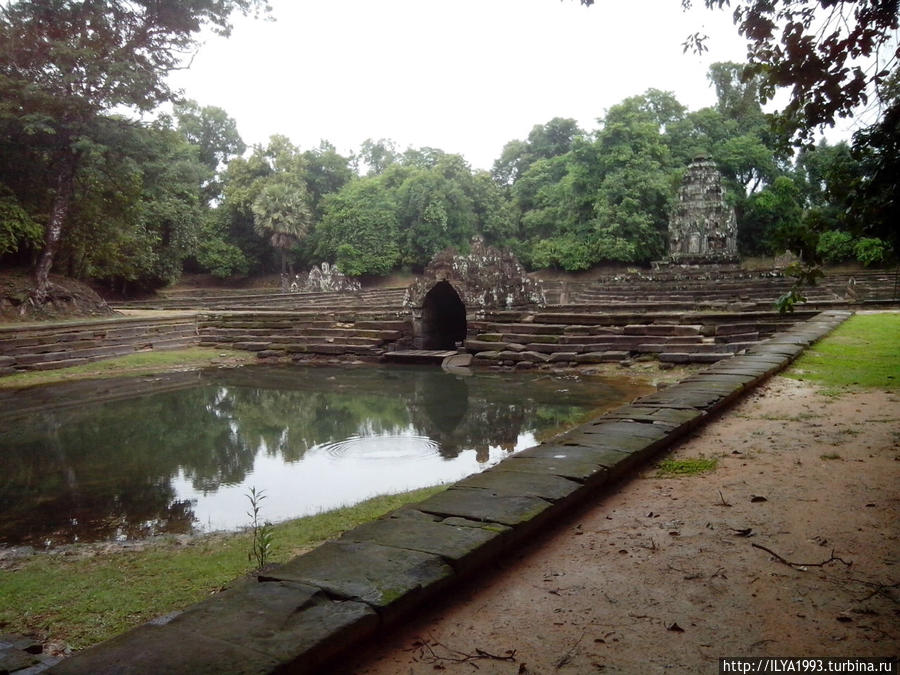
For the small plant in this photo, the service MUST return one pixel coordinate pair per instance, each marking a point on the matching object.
(686, 467)
(262, 532)
(831, 455)
(805, 275)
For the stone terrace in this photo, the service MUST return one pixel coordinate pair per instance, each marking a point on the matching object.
(678, 316)
(58, 345)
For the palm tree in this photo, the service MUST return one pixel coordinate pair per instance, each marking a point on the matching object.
(281, 212)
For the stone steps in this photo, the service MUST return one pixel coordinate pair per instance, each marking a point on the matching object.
(58, 345)
(296, 335)
(694, 337)
(390, 299)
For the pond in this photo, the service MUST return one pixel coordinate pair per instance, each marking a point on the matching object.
(128, 458)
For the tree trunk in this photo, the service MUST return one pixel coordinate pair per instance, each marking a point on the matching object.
(65, 187)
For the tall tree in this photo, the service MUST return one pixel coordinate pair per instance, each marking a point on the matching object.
(832, 55)
(65, 63)
(215, 136)
(283, 214)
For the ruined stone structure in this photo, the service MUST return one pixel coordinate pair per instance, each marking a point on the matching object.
(325, 279)
(453, 284)
(702, 227)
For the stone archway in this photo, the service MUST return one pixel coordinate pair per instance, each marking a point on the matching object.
(443, 317)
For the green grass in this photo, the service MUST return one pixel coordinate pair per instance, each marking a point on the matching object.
(863, 352)
(84, 599)
(140, 363)
(669, 468)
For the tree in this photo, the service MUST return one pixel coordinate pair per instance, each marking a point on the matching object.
(282, 214)
(326, 171)
(216, 137)
(17, 228)
(831, 54)
(545, 141)
(359, 228)
(66, 63)
(378, 155)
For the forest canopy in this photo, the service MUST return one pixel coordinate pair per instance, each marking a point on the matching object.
(132, 204)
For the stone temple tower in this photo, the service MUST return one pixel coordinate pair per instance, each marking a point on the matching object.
(702, 227)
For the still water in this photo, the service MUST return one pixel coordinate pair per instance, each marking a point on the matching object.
(125, 459)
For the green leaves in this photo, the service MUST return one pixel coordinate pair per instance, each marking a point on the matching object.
(16, 227)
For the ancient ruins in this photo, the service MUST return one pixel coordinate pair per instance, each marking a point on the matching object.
(452, 284)
(702, 226)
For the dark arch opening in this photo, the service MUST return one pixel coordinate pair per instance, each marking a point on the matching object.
(443, 318)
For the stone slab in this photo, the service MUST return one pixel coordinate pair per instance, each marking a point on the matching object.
(12, 660)
(692, 357)
(557, 357)
(673, 417)
(463, 546)
(734, 380)
(294, 623)
(776, 349)
(612, 462)
(150, 650)
(617, 428)
(602, 357)
(682, 397)
(549, 487)
(483, 505)
(596, 438)
(387, 578)
(584, 467)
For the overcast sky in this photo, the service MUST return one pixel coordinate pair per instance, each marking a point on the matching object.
(465, 76)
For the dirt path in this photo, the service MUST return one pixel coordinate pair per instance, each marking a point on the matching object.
(665, 574)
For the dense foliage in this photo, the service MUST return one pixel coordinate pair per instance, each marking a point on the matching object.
(132, 204)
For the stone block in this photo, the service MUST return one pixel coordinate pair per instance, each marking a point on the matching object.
(482, 345)
(611, 462)
(252, 346)
(575, 465)
(602, 357)
(662, 329)
(464, 547)
(387, 578)
(549, 487)
(534, 357)
(294, 623)
(483, 505)
(557, 357)
(151, 649)
(12, 660)
(669, 417)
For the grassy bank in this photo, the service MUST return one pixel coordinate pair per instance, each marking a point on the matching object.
(140, 363)
(862, 352)
(84, 596)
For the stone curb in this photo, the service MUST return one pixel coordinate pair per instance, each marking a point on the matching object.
(320, 605)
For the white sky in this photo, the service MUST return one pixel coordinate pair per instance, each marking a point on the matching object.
(465, 76)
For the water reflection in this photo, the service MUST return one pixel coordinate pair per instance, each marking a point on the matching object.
(128, 459)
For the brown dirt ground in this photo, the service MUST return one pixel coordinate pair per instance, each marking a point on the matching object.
(68, 299)
(663, 574)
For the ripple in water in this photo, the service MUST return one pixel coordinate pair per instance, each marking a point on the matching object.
(382, 447)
